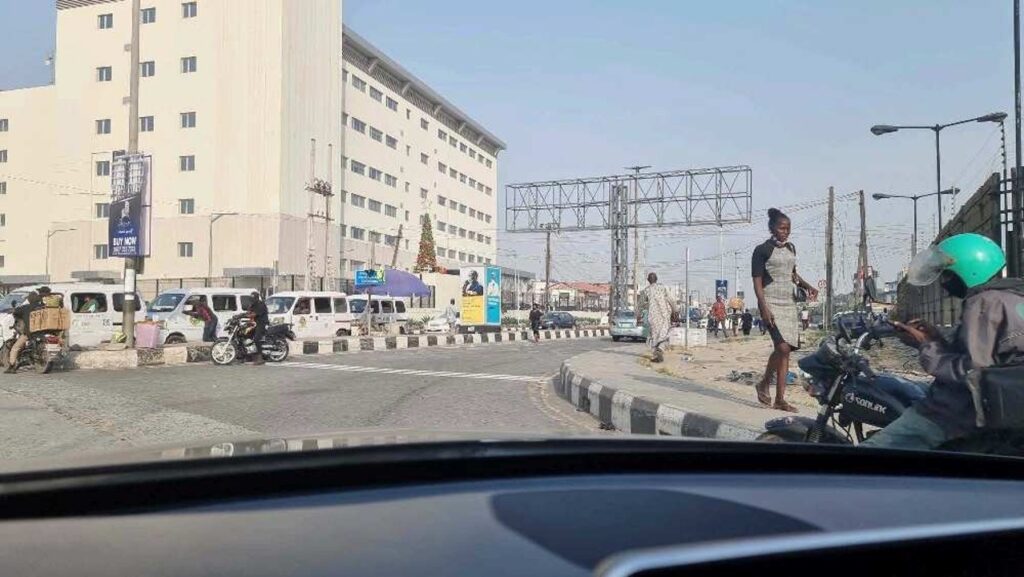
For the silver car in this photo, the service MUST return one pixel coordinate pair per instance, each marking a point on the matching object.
(624, 326)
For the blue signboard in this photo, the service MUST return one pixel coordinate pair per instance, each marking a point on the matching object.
(722, 288)
(369, 278)
(493, 292)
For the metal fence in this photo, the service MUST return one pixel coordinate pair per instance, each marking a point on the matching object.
(981, 214)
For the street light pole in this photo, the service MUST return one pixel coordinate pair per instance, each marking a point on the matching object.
(214, 217)
(938, 178)
(915, 198)
(49, 235)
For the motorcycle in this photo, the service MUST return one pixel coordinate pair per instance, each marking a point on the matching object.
(240, 345)
(851, 395)
(43, 350)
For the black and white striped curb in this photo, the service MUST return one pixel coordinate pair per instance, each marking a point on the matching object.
(634, 414)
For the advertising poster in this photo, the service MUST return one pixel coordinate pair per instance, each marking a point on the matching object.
(722, 289)
(131, 193)
(472, 296)
(493, 292)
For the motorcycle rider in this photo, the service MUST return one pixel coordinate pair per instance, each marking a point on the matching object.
(261, 317)
(991, 332)
(21, 324)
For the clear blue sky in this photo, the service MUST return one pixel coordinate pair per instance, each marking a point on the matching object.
(788, 87)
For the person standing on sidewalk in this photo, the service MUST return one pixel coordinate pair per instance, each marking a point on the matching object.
(202, 312)
(773, 269)
(451, 315)
(657, 302)
(718, 315)
(746, 321)
(805, 318)
(535, 316)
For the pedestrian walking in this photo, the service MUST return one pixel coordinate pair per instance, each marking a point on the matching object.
(805, 318)
(718, 314)
(659, 306)
(451, 315)
(773, 269)
(535, 316)
(203, 313)
(746, 321)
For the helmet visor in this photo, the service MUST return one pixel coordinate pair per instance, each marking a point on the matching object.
(927, 266)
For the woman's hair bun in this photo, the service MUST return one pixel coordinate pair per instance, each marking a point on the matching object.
(774, 213)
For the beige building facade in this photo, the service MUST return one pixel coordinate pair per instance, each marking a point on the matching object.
(242, 105)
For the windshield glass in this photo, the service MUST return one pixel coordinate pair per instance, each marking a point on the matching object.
(279, 305)
(453, 214)
(165, 302)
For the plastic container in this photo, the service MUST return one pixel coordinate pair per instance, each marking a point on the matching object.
(147, 335)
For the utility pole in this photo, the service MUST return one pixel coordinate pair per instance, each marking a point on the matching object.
(736, 273)
(398, 241)
(132, 264)
(862, 257)
(328, 194)
(547, 271)
(829, 228)
(686, 300)
(721, 258)
(636, 230)
(1018, 194)
(309, 218)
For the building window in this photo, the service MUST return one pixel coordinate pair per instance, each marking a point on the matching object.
(147, 69)
(358, 234)
(376, 94)
(186, 206)
(472, 153)
(472, 183)
(187, 163)
(462, 232)
(375, 237)
(148, 15)
(480, 186)
(358, 83)
(453, 229)
(375, 174)
(376, 134)
(3, 187)
(374, 205)
(391, 211)
(472, 258)
(4, 125)
(104, 74)
(424, 158)
(462, 256)
(452, 204)
(390, 240)
(441, 200)
(453, 142)
(391, 141)
(189, 9)
(462, 148)
(424, 124)
(487, 189)
(451, 253)
(407, 216)
(185, 249)
(424, 192)
(188, 119)
(99, 251)
(392, 104)
(462, 178)
(462, 208)
(472, 213)
(407, 186)
(102, 209)
(488, 219)
(106, 21)
(103, 168)
(358, 125)
(189, 64)
(146, 124)
(472, 235)
(358, 265)
(103, 126)
(442, 168)
(3, 155)
(452, 172)
(442, 226)
(390, 181)
(359, 200)
(358, 168)
(442, 134)
(488, 163)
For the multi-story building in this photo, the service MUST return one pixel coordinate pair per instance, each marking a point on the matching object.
(241, 105)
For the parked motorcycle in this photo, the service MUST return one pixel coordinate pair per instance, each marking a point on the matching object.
(44, 351)
(240, 345)
(850, 393)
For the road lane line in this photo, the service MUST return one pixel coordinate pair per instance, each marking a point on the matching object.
(413, 372)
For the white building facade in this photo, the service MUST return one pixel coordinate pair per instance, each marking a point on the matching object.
(242, 104)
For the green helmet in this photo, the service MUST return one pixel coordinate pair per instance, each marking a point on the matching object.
(972, 257)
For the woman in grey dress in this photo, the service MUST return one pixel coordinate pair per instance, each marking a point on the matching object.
(773, 268)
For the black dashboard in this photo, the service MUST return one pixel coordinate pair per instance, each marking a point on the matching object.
(521, 520)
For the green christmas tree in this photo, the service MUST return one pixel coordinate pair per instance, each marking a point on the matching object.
(426, 260)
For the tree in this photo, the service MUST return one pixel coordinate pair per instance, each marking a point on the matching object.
(426, 260)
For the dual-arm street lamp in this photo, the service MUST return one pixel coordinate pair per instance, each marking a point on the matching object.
(915, 198)
(880, 129)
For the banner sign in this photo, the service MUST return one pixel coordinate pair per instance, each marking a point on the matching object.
(722, 289)
(130, 200)
(369, 277)
(493, 290)
(481, 295)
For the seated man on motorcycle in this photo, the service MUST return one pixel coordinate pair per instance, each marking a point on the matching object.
(991, 332)
(21, 316)
(261, 317)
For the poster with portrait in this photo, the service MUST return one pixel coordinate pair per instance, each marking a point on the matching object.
(472, 291)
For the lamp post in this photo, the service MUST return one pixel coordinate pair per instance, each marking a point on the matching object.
(214, 217)
(49, 235)
(880, 129)
(915, 198)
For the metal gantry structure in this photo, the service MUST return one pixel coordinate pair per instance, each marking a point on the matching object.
(617, 203)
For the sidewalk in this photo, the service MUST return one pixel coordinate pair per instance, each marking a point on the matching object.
(689, 397)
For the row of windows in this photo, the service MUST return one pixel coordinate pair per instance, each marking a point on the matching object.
(462, 233)
(463, 209)
(461, 256)
(361, 201)
(450, 171)
(375, 93)
(147, 123)
(188, 10)
(147, 69)
(462, 146)
(374, 237)
(374, 133)
(186, 163)
(370, 172)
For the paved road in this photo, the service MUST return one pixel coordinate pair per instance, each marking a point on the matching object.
(483, 388)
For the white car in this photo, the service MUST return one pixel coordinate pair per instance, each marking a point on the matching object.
(439, 324)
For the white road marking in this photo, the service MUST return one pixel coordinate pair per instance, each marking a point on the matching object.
(423, 373)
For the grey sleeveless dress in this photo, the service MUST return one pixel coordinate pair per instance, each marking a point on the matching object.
(776, 265)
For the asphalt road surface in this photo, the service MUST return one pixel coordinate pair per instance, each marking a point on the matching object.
(485, 388)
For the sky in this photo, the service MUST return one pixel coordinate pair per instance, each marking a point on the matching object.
(789, 88)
